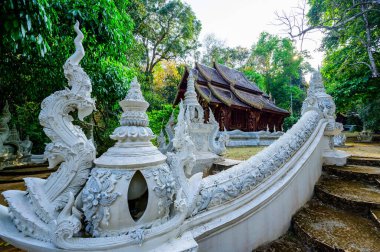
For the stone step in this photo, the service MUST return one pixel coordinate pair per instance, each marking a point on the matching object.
(348, 194)
(24, 219)
(25, 171)
(36, 195)
(378, 181)
(368, 161)
(25, 166)
(286, 243)
(222, 165)
(329, 229)
(20, 178)
(368, 173)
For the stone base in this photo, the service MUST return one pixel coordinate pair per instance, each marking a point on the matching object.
(238, 138)
(222, 165)
(10, 234)
(37, 159)
(204, 161)
(184, 243)
(335, 157)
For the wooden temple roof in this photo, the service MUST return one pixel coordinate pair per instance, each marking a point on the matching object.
(223, 85)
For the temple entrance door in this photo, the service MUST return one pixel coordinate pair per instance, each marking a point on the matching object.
(239, 119)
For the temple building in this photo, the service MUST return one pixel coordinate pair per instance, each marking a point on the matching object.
(235, 102)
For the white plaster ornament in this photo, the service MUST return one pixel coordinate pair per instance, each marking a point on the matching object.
(35, 212)
(138, 199)
(203, 134)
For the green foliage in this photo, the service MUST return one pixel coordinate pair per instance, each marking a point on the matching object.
(370, 115)
(280, 66)
(26, 76)
(290, 121)
(352, 57)
(26, 120)
(255, 77)
(165, 30)
(27, 26)
(216, 51)
(159, 118)
(166, 77)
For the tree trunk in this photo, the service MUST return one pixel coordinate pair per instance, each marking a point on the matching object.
(375, 72)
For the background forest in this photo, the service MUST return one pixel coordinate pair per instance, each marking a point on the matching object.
(156, 39)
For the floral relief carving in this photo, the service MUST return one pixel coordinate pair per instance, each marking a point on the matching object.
(165, 187)
(97, 197)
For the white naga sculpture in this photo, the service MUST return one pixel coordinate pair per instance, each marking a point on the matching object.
(131, 194)
(203, 135)
(4, 128)
(138, 199)
(13, 151)
(318, 99)
(339, 139)
(35, 210)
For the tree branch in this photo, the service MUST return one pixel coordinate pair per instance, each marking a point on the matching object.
(297, 20)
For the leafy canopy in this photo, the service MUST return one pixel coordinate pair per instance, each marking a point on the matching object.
(352, 57)
(166, 30)
(28, 75)
(215, 50)
(281, 66)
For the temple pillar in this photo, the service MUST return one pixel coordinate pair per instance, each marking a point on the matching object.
(224, 119)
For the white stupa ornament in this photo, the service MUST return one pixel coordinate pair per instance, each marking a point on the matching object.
(316, 83)
(318, 99)
(193, 110)
(131, 186)
(190, 94)
(133, 147)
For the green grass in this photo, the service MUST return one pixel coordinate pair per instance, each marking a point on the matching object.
(242, 153)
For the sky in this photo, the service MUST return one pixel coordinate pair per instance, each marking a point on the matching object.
(240, 22)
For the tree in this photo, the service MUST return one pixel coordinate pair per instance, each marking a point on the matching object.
(27, 76)
(166, 77)
(25, 26)
(351, 44)
(343, 22)
(166, 30)
(254, 76)
(236, 57)
(216, 50)
(351, 85)
(213, 49)
(279, 63)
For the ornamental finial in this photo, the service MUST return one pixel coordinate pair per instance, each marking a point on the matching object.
(134, 92)
(79, 50)
(134, 104)
(190, 95)
(316, 83)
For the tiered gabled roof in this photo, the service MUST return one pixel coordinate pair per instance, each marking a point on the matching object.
(222, 84)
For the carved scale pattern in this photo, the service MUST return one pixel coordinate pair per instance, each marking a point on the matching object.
(236, 181)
